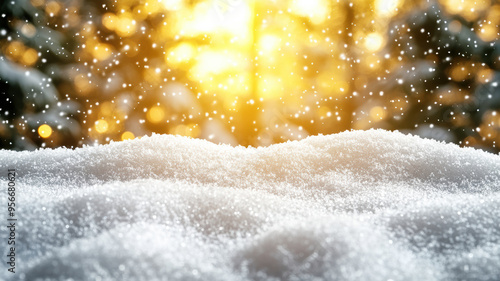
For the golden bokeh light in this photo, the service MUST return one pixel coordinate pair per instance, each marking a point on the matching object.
(374, 42)
(156, 114)
(460, 72)
(377, 113)
(127, 136)
(101, 126)
(110, 21)
(30, 57)
(485, 75)
(489, 32)
(469, 9)
(124, 25)
(44, 131)
(102, 51)
(151, 7)
(15, 50)
(53, 8)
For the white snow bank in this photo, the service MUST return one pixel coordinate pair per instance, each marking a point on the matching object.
(370, 205)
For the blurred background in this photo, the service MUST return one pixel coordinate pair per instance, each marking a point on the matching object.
(241, 72)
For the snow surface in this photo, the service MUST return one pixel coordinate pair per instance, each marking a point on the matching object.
(361, 205)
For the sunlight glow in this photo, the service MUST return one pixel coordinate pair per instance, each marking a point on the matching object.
(387, 7)
(269, 43)
(181, 53)
(207, 18)
(214, 62)
(315, 10)
(172, 5)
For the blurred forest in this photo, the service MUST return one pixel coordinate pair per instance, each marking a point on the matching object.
(76, 72)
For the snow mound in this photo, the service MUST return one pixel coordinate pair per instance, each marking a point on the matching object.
(361, 205)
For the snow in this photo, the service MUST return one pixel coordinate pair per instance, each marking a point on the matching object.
(359, 205)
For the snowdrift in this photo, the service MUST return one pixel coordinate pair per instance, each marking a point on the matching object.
(361, 205)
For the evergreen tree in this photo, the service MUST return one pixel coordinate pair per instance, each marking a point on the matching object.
(442, 78)
(29, 97)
